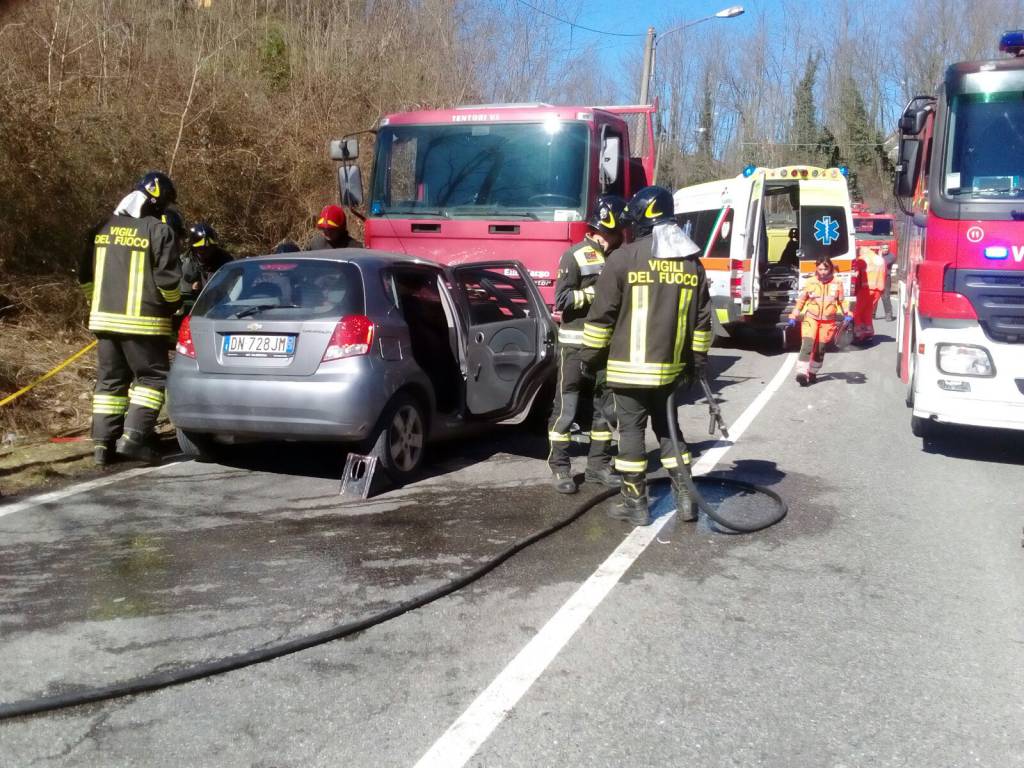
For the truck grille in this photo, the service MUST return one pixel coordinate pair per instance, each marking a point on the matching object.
(997, 298)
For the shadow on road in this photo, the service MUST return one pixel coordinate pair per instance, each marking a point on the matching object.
(850, 377)
(997, 446)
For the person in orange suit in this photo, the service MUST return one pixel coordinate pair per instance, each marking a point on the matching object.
(821, 304)
(870, 268)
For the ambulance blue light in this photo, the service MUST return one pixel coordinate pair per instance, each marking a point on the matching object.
(1012, 42)
(749, 170)
(996, 252)
(844, 170)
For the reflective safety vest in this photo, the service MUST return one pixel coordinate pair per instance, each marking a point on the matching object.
(651, 315)
(821, 301)
(131, 276)
(578, 270)
(875, 268)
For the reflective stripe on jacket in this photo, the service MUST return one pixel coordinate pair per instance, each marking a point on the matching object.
(131, 275)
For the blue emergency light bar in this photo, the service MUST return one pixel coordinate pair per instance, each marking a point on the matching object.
(1012, 42)
(996, 252)
(749, 170)
(844, 170)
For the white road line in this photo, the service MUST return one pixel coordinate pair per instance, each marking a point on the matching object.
(63, 493)
(467, 734)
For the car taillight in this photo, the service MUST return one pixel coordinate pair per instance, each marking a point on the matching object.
(352, 336)
(185, 346)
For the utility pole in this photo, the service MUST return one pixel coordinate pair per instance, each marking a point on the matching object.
(645, 80)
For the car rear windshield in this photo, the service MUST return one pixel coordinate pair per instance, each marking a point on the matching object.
(285, 289)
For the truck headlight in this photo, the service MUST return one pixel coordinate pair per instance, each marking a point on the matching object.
(964, 360)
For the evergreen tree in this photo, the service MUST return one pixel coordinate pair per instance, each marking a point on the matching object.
(804, 135)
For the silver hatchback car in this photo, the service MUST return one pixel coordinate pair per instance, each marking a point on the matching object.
(358, 346)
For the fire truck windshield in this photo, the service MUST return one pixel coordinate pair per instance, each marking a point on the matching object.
(984, 156)
(528, 170)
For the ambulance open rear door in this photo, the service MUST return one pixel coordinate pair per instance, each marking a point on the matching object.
(755, 244)
(826, 220)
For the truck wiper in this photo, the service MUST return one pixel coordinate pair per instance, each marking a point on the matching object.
(249, 311)
(520, 214)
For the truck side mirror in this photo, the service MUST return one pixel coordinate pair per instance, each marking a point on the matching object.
(350, 185)
(344, 149)
(907, 167)
(912, 121)
(611, 147)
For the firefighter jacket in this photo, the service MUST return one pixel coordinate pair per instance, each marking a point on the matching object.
(195, 270)
(652, 315)
(578, 270)
(131, 274)
(820, 301)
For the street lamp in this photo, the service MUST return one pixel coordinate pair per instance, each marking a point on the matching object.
(652, 40)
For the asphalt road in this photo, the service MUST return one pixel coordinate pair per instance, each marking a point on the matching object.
(880, 624)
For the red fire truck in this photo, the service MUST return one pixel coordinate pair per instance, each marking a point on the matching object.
(505, 181)
(874, 229)
(960, 181)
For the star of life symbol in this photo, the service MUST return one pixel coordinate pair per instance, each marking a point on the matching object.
(826, 230)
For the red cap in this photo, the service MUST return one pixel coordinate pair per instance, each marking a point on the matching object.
(331, 217)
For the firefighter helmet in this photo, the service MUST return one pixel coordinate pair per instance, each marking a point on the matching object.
(650, 206)
(331, 217)
(158, 189)
(202, 235)
(607, 214)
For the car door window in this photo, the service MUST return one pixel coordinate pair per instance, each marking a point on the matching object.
(494, 294)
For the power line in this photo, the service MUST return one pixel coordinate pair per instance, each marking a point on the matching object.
(579, 26)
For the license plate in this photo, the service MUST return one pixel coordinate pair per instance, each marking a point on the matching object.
(258, 345)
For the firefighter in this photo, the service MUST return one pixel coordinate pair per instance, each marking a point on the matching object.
(584, 401)
(890, 259)
(205, 256)
(651, 320)
(131, 274)
(821, 303)
(871, 268)
(332, 231)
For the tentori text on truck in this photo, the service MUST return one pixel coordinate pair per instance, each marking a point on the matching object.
(960, 182)
(509, 181)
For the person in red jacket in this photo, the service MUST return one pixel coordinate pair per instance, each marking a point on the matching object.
(821, 304)
(870, 268)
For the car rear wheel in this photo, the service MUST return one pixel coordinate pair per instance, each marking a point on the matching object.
(197, 445)
(401, 439)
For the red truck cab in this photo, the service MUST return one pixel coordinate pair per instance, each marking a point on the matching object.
(496, 182)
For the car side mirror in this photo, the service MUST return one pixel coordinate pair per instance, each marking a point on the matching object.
(907, 167)
(344, 149)
(350, 185)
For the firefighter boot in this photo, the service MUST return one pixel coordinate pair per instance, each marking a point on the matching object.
(603, 475)
(563, 481)
(632, 506)
(133, 445)
(102, 452)
(681, 492)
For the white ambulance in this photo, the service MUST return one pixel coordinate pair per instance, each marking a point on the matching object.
(762, 233)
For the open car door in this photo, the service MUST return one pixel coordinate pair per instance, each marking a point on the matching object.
(755, 247)
(510, 340)
(825, 220)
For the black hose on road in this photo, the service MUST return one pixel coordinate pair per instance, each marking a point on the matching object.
(166, 679)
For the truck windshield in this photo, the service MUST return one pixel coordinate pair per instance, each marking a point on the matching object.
(985, 147)
(870, 229)
(529, 170)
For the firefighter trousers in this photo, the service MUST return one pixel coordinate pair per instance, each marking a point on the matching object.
(587, 402)
(863, 314)
(131, 375)
(633, 406)
(815, 335)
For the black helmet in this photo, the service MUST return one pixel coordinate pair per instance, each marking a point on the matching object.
(287, 246)
(172, 218)
(650, 206)
(607, 214)
(158, 189)
(201, 235)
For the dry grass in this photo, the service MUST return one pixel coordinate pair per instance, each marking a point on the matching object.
(42, 325)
